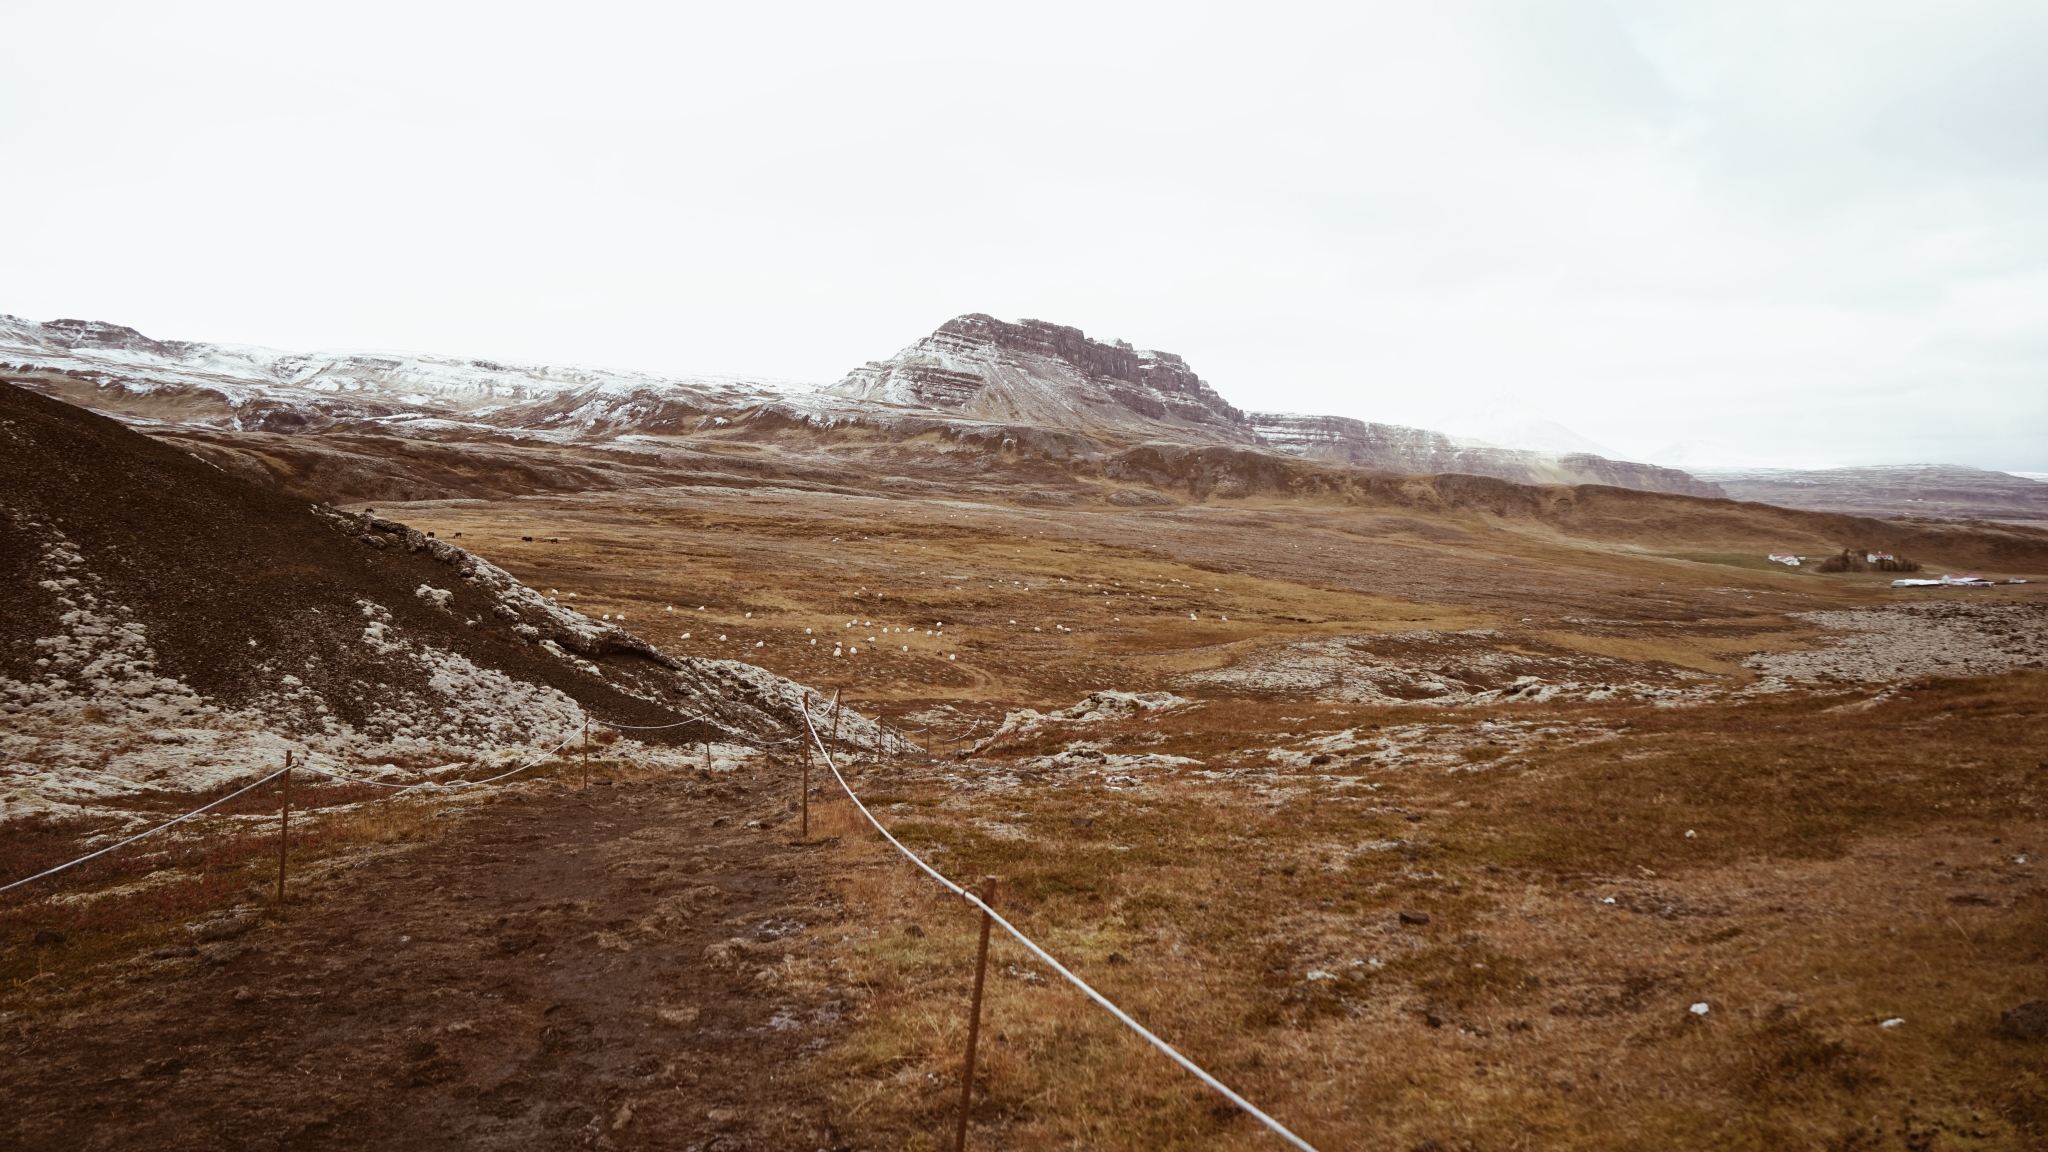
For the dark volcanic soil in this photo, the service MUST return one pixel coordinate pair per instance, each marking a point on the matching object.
(237, 585)
(603, 968)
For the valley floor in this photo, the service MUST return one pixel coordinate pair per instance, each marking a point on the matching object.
(1605, 781)
(563, 968)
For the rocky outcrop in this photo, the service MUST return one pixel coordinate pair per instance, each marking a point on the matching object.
(1034, 372)
(1394, 448)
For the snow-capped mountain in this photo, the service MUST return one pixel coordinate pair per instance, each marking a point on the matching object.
(262, 389)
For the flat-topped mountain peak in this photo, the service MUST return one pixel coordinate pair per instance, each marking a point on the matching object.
(1037, 372)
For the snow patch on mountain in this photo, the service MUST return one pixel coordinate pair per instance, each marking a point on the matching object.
(248, 388)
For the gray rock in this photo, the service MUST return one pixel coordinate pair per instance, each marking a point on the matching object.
(2027, 1020)
(221, 928)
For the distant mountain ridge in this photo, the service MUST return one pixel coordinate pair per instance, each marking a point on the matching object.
(1394, 448)
(256, 389)
(1945, 491)
(1032, 386)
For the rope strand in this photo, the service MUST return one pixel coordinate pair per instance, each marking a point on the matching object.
(1250, 1109)
(151, 832)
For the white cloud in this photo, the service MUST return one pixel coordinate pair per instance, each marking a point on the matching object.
(1814, 233)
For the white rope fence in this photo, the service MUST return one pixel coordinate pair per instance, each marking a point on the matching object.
(151, 832)
(1196, 1070)
(804, 703)
(397, 788)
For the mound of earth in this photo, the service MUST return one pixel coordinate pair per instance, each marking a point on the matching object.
(171, 626)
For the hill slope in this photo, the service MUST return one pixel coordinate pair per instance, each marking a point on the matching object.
(156, 600)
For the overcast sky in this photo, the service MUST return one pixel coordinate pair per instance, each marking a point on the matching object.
(1808, 233)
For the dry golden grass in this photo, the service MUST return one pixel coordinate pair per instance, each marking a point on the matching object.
(784, 569)
(142, 898)
(1805, 908)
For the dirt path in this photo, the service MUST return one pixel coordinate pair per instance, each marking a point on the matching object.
(563, 969)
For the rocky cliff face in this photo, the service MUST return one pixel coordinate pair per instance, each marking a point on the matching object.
(1038, 373)
(1393, 448)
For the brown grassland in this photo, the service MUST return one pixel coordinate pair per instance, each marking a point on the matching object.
(1850, 862)
(1808, 864)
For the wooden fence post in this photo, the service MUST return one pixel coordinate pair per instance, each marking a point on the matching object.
(987, 893)
(806, 787)
(284, 826)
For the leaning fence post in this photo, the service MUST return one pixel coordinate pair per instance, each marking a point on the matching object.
(284, 825)
(988, 891)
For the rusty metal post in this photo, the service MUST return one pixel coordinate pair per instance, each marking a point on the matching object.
(284, 826)
(806, 786)
(988, 891)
